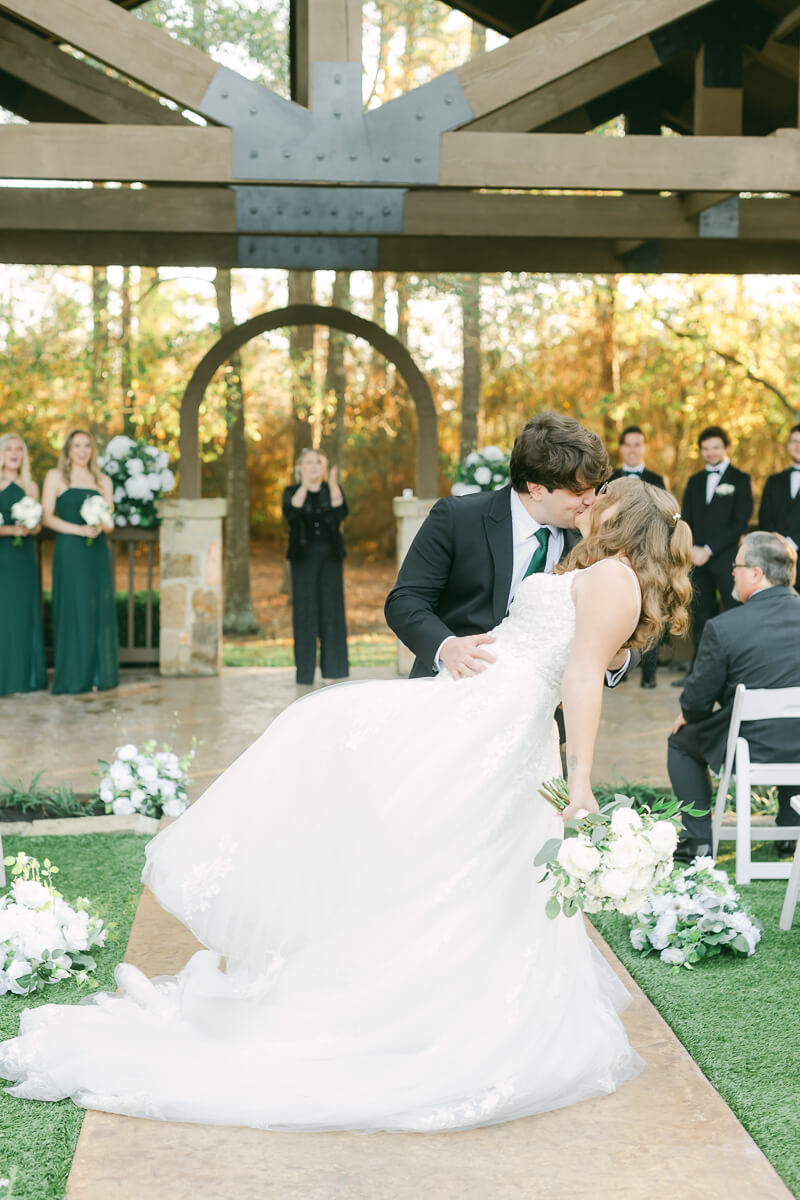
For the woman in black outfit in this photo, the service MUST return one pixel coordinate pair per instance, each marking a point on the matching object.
(315, 510)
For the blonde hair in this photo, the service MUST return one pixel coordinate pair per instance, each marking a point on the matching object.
(25, 469)
(65, 464)
(648, 531)
(309, 450)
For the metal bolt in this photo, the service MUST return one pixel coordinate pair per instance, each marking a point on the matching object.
(253, 212)
(417, 158)
(252, 247)
(253, 112)
(254, 154)
(359, 212)
(337, 79)
(279, 210)
(420, 116)
(337, 112)
(224, 95)
(387, 212)
(353, 158)
(287, 154)
(320, 156)
(306, 212)
(334, 212)
(448, 99)
(387, 158)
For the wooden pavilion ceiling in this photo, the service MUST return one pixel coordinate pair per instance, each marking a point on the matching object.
(414, 185)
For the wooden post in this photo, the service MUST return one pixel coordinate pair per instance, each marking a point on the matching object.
(718, 89)
(321, 31)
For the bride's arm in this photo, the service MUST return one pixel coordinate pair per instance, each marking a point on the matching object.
(607, 612)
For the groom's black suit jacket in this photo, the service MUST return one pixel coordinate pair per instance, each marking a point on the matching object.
(456, 576)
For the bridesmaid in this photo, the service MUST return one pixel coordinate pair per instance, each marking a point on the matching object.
(84, 608)
(22, 667)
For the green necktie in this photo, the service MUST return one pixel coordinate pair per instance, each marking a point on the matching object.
(539, 558)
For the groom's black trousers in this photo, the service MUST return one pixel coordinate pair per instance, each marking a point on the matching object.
(688, 773)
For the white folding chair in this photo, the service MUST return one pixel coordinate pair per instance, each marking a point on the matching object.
(755, 704)
(793, 886)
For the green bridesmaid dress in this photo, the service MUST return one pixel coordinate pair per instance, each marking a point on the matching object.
(22, 666)
(84, 609)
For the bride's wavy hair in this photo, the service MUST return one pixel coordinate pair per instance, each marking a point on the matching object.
(645, 527)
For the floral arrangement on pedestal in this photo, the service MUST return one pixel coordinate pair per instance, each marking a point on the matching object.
(44, 940)
(608, 861)
(695, 914)
(149, 781)
(141, 475)
(484, 470)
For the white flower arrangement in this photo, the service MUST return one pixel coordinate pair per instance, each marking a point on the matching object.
(141, 475)
(27, 512)
(694, 915)
(484, 470)
(608, 861)
(95, 511)
(147, 781)
(43, 940)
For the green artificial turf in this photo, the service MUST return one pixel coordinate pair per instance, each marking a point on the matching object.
(738, 1018)
(37, 1140)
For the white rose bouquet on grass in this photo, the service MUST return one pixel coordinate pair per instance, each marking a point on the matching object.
(95, 511)
(484, 470)
(147, 781)
(27, 512)
(141, 475)
(608, 861)
(694, 915)
(43, 940)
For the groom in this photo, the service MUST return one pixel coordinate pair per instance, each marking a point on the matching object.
(472, 552)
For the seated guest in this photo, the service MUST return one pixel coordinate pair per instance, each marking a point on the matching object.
(632, 451)
(780, 504)
(757, 644)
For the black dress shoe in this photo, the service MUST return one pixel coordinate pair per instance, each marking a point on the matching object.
(785, 849)
(647, 682)
(688, 849)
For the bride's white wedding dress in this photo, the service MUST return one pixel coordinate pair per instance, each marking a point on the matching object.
(366, 869)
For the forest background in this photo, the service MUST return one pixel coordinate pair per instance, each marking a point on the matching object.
(115, 347)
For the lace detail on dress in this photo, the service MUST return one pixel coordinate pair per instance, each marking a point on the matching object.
(204, 880)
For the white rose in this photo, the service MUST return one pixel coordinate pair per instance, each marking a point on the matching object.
(672, 954)
(76, 933)
(154, 481)
(578, 857)
(137, 487)
(167, 480)
(127, 752)
(147, 772)
(138, 796)
(638, 937)
(623, 852)
(168, 787)
(123, 807)
(663, 838)
(151, 451)
(483, 475)
(492, 453)
(106, 791)
(162, 462)
(18, 968)
(29, 893)
(120, 520)
(121, 776)
(136, 518)
(664, 929)
(624, 820)
(616, 883)
(174, 807)
(110, 466)
(631, 904)
(472, 459)
(119, 446)
(135, 467)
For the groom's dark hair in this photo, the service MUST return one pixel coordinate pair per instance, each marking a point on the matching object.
(556, 451)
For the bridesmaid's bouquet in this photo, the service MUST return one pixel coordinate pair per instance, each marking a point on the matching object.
(27, 512)
(95, 511)
(141, 476)
(43, 940)
(608, 861)
(484, 470)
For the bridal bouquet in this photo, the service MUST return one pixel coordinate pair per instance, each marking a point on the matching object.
(141, 475)
(147, 781)
(95, 511)
(43, 940)
(27, 512)
(694, 915)
(484, 470)
(608, 861)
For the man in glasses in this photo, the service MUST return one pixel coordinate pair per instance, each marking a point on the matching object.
(780, 504)
(757, 644)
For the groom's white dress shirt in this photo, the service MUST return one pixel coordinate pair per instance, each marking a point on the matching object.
(524, 531)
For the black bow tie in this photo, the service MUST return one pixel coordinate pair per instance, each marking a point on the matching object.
(794, 469)
(713, 470)
(632, 470)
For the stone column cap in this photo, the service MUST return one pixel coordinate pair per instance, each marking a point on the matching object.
(412, 506)
(192, 510)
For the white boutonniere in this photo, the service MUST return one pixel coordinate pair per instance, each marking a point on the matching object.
(724, 489)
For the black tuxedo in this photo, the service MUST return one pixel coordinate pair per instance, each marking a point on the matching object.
(779, 513)
(718, 525)
(645, 476)
(757, 644)
(456, 576)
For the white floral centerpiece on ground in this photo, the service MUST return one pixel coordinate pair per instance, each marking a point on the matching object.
(141, 475)
(484, 470)
(43, 940)
(149, 781)
(608, 861)
(695, 914)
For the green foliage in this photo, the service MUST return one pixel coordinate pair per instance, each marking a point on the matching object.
(36, 801)
(139, 618)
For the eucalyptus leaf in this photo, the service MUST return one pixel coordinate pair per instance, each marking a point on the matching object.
(552, 908)
(548, 852)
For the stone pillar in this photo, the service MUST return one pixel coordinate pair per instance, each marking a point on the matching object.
(191, 586)
(409, 512)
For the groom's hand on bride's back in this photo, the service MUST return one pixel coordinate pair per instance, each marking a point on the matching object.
(465, 656)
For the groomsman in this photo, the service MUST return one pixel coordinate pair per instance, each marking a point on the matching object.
(780, 504)
(717, 505)
(632, 451)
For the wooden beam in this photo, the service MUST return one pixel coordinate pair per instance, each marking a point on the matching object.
(571, 91)
(322, 31)
(119, 210)
(717, 108)
(787, 24)
(545, 160)
(127, 153)
(562, 45)
(131, 46)
(75, 84)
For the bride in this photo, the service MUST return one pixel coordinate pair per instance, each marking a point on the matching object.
(366, 870)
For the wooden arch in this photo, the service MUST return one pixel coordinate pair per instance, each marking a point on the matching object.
(308, 314)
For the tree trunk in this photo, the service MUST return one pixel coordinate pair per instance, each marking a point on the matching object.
(99, 365)
(333, 429)
(377, 373)
(126, 354)
(605, 307)
(301, 353)
(239, 616)
(401, 284)
(471, 377)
